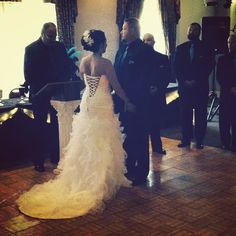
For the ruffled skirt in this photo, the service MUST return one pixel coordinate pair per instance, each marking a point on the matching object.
(92, 170)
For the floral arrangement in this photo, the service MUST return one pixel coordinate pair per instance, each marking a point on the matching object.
(87, 38)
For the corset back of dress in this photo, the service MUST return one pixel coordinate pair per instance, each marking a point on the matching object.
(97, 94)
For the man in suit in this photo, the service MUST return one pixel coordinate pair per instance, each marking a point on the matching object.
(134, 74)
(226, 71)
(45, 61)
(160, 81)
(194, 62)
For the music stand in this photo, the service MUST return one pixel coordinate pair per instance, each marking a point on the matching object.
(65, 98)
(60, 91)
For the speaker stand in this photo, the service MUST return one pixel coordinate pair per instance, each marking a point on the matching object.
(213, 98)
(214, 107)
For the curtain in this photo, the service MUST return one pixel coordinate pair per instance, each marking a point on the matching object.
(10, 0)
(66, 11)
(170, 13)
(127, 8)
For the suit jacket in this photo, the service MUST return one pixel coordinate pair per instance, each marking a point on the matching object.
(134, 73)
(160, 78)
(226, 74)
(43, 64)
(198, 70)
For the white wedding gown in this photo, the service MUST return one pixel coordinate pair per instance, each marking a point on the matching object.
(93, 168)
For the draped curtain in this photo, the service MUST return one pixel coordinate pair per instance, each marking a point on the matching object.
(128, 8)
(66, 12)
(170, 13)
(170, 16)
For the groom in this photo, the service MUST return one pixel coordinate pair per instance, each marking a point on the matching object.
(133, 68)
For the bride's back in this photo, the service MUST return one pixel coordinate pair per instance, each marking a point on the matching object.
(97, 92)
(94, 66)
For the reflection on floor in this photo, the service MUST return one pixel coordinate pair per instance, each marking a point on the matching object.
(190, 192)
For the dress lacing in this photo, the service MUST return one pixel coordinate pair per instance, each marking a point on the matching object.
(93, 83)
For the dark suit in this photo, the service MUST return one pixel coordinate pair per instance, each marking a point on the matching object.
(196, 96)
(134, 75)
(45, 64)
(160, 80)
(226, 76)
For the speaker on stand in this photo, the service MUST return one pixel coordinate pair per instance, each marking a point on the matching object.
(215, 32)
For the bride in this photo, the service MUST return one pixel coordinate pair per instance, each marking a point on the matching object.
(93, 168)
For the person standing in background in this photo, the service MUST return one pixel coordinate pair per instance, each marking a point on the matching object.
(225, 75)
(45, 61)
(194, 62)
(160, 81)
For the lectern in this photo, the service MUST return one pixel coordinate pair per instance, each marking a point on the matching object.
(65, 98)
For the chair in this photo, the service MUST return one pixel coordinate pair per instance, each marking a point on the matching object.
(17, 93)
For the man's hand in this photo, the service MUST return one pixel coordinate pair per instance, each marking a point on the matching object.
(129, 107)
(190, 83)
(153, 90)
(233, 90)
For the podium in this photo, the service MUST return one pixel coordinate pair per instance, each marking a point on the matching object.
(65, 98)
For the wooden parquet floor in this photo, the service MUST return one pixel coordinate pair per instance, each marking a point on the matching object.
(190, 192)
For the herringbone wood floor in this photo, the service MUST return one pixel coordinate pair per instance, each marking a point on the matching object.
(190, 192)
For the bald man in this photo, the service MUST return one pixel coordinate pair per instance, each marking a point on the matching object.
(226, 71)
(160, 80)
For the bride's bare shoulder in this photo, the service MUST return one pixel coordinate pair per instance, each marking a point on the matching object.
(86, 59)
(84, 64)
(106, 61)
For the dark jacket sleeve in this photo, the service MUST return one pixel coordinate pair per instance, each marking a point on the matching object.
(65, 64)
(225, 74)
(166, 72)
(220, 72)
(27, 66)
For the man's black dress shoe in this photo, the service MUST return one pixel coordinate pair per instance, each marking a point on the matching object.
(183, 144)
(138, 182)
(225, 147)
(199, 146)
(129, 176)
(162, 151)
(39, 168)
(54, 162)
(233, 149)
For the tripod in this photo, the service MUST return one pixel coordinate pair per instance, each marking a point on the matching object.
(213, 98)
(214, 107)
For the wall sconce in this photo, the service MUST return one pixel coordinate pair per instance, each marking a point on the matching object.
(210, 3)
(213, 3)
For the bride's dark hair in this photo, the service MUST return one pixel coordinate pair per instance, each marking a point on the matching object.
(92, 39)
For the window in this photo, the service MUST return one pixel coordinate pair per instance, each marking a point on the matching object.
(151, 22)
(20, 24)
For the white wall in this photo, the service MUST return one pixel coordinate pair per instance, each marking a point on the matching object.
(98, 14)
(20, 25)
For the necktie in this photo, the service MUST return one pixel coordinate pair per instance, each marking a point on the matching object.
(124, 55)
(191, 52)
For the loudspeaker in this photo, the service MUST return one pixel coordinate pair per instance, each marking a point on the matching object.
(215, 32)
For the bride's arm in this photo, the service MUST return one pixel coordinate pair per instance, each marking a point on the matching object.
(111, 74)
